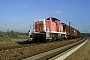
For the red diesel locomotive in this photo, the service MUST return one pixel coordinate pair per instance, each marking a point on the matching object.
(51, 29)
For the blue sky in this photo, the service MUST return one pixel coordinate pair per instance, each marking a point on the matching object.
(18, 15)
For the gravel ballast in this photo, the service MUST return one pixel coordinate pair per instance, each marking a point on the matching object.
(35, 49)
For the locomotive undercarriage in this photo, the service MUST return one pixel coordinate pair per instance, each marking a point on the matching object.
(46, 37)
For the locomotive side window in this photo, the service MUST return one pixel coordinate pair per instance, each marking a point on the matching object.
(48, 19)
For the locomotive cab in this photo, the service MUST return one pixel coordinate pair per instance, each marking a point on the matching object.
(49, 29)
(30, 35)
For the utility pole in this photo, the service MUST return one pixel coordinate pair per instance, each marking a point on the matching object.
(69, 28)
(69, 23)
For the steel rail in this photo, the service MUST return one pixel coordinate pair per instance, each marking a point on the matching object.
(62, 49)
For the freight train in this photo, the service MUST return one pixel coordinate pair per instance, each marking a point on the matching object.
(51, 29)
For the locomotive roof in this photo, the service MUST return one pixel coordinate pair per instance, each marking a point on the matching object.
(52, 18)
(63, 24)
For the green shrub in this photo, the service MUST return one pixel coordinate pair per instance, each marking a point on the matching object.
(1, 35)
(1, 39)
(22, 52)
(16, 55)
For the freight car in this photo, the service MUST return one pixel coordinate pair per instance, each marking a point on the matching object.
(70, 31)
(76, 33)
(50, 29)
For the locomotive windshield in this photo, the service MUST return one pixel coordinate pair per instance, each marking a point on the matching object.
(53, 19)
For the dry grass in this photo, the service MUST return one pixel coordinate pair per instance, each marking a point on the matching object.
(81, 54)
(5, 42)
(35, 49)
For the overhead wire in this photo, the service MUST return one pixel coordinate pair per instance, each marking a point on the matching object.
(49, 9)
(58, 14)
(86, 25)
(76, 13)
(72, 9)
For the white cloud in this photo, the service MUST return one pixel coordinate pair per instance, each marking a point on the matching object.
(14, 20)
(24, 5)
(22, 24)
(28, 19)
(58, 12)
(9, 11)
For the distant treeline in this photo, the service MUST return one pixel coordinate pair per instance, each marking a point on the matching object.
(12, 34)
(85, 34)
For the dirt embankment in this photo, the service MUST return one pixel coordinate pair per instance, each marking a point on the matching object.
(82, 53)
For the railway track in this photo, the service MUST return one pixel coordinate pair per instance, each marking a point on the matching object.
(65, 48)
(13, 47)
(10, 53)
(6, 50)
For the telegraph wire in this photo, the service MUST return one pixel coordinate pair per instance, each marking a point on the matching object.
(72, 9)
(76, 14)
(44, 6)
(50, 4)
(56, 13)
(49, 9)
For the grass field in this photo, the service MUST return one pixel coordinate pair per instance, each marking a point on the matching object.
(4, 42)
(82, 53)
